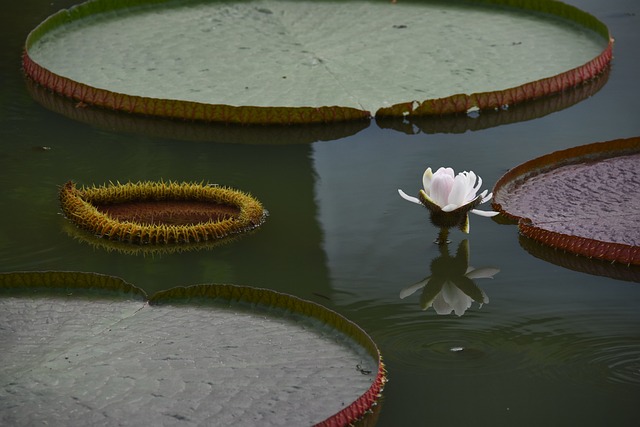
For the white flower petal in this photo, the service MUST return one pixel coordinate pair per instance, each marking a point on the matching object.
(470, 184)
(408, 197)
(446, 171)
(486, 197)
(449, 208)
(459, 190)
(441, 185)
(478, 185)
(487, 214)
(426, 180)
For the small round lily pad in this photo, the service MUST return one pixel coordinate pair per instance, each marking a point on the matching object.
(86, 349)
(286, 62)
(161, 213)
(584, 200)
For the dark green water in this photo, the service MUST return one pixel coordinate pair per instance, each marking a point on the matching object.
(553, 346)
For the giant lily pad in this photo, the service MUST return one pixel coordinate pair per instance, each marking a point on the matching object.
(584, 200)
(281, 61)
(86, 349)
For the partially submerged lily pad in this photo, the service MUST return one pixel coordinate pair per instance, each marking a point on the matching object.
(202, 355)
(281, 61)
(584, 200)
(161, 213)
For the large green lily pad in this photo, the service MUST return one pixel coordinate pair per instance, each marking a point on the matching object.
(585, 200)
(86, 349)
(283, 61)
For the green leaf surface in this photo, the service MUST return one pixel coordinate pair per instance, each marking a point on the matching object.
(360, 55)
(197, 356)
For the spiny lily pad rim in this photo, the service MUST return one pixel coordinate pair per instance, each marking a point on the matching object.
(269, 303)
(89, 238)
(183, 109)
(80, 207)
(579, 245)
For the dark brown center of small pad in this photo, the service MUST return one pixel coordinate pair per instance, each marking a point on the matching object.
(169, 212)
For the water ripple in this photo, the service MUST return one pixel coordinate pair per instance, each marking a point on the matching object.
(594, 360)
(551, 348)
(459, 351)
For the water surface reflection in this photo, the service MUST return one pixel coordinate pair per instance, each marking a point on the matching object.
(450, 287)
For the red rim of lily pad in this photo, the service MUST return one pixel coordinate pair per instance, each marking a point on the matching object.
(119, 121)
(594, 267)
(181, 109)
(264, 303)
(272, 299)
(461, 123)
(307, 133)
(507, 195)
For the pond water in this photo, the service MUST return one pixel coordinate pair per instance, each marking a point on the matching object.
(556, 342)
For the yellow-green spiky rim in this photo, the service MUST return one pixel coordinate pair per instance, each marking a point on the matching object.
(86, 237)
(81, 206)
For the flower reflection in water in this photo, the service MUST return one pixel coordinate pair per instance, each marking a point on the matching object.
(450, 288)
(449, 199)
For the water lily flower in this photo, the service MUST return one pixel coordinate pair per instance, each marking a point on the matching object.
(450, 198)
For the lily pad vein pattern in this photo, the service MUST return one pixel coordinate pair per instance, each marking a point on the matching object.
(105, 361)
(598, 200)
(359, 54)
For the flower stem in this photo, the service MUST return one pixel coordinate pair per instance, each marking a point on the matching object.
(443, 236)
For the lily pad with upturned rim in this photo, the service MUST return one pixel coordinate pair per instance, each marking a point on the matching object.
(584, 200)
(307, 62)
(161, 213)
(83, 348)
(614, 270)
(302, 134)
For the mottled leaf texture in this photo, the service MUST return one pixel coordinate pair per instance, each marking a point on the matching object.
(85, 349)
(585, 200)
(288, 62)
